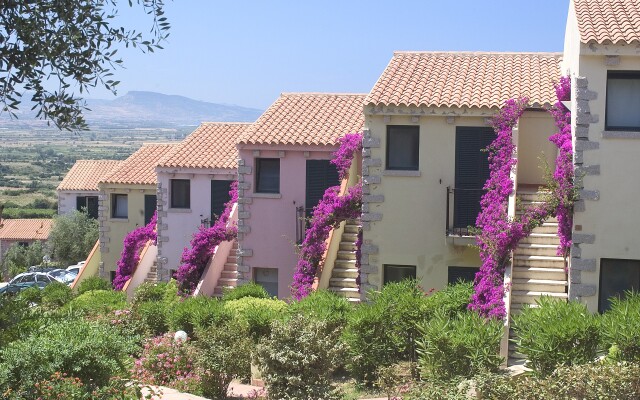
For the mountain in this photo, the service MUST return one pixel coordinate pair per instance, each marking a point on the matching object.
(142, 110)
(150, 109)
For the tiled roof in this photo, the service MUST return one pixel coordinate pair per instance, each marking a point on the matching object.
(140, 167)
(307, 119)
(211, 145)
(608, 21)
(85, 174)
(466, 79)
(25, 229)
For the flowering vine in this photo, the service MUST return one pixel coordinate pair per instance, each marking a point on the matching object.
(130, 256)
(342, 158)
(327, 215)
(195, 259)
(498, 235)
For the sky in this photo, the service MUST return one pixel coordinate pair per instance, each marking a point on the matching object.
(248, 52)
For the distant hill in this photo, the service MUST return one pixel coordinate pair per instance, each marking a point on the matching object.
(150, 109)
(145, 110)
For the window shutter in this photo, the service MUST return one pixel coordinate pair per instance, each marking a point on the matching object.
(321, 174)
(219, 196)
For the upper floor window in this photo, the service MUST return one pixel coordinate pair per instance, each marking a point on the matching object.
(267, 175)
(119, 206)
(180, 193)
(623, 101)
(403, 147)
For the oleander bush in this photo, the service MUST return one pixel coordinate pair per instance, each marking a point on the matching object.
(156, 292)
(56, 295)
(250, 289)
(154, 317)
(460, 346)
(298, 358)
(93, 283)
(450, 301)
(556, 333)
(256, 314)
(383, 331)
(323, 305)
(196, 312)
(98, 302)
(621, 328)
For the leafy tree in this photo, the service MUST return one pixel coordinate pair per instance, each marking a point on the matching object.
(72, 237)
(70, 44)
(18, 258)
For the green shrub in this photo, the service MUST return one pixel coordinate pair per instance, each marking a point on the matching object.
(224, 354)
(256, 314)
(98, 302)
(621, 327)
(595, 381)
(556, 333)
(161, 291)
(459, 346)
(383, 331)
(56, 295)
(154, 317)
(93, 283)
(298, 358)
(32, 295)
(250, 289)
(323, 305)
(17, 320)
(195, 312)
(92, 352)
(450, 301)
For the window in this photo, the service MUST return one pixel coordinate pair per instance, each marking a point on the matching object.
(616, 277)
(180, 193)
(398, 273)
(464, 274)
(88, 204)
(119, 206)
(403, 147)
(267, 175)
(268, 279)
(623, 101)
(112, 276)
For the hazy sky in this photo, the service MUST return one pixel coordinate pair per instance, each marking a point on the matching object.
(248, 52)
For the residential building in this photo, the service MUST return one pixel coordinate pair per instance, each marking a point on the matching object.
(79, 188)
(193, 186)
(127, 200)
(22, 232)
(283, 171)
(427, 120)
(601, 56)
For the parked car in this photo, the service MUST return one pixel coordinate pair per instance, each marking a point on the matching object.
(74, 269)
(26, 280)
(64, 275)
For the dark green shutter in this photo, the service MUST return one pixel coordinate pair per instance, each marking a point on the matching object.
(472, 171)
(219, 197)
(150, 204)
(321, 174)
(92, 206)
(81, 202)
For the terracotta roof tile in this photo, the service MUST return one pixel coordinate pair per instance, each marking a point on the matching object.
(85, 174)
(25, 229)
(308, 119)
(608, 21)
(140, 167)
(211, 145)
(466, 79)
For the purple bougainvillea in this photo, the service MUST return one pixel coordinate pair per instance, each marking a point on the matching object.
(342, 158)
(195, 259)
(130, 256)
(498, 235)
(327, 215)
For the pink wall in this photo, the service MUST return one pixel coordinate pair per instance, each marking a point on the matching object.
(272, 221)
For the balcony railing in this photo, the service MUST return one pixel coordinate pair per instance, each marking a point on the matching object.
(463, 206)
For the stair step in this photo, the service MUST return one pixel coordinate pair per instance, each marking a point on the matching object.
(346, 255)
(538, 261)
(345, 273)
(230, 266)
(352, 229)
(345, 264)
(343, 282)
(535, 249)
(229, 275)
(538, 285)
(232, 259)
(539, 273)
(347, 246)
(517, 307)
(547, 227)
(345, 291)
(542, 238)
(228, 282)
(530, 297)
(349, 237)
(353, 222)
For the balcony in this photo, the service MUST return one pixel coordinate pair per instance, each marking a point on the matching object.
(463, 206)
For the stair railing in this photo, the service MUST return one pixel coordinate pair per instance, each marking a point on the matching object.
(148, 256)
(91, 266)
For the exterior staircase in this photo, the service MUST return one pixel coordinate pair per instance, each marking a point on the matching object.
(537, 270)
(152, 276)
(344, 273)
(229, 277)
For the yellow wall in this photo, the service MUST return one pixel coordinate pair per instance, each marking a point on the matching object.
(113, 230)
(612, 217)
(534, 146)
